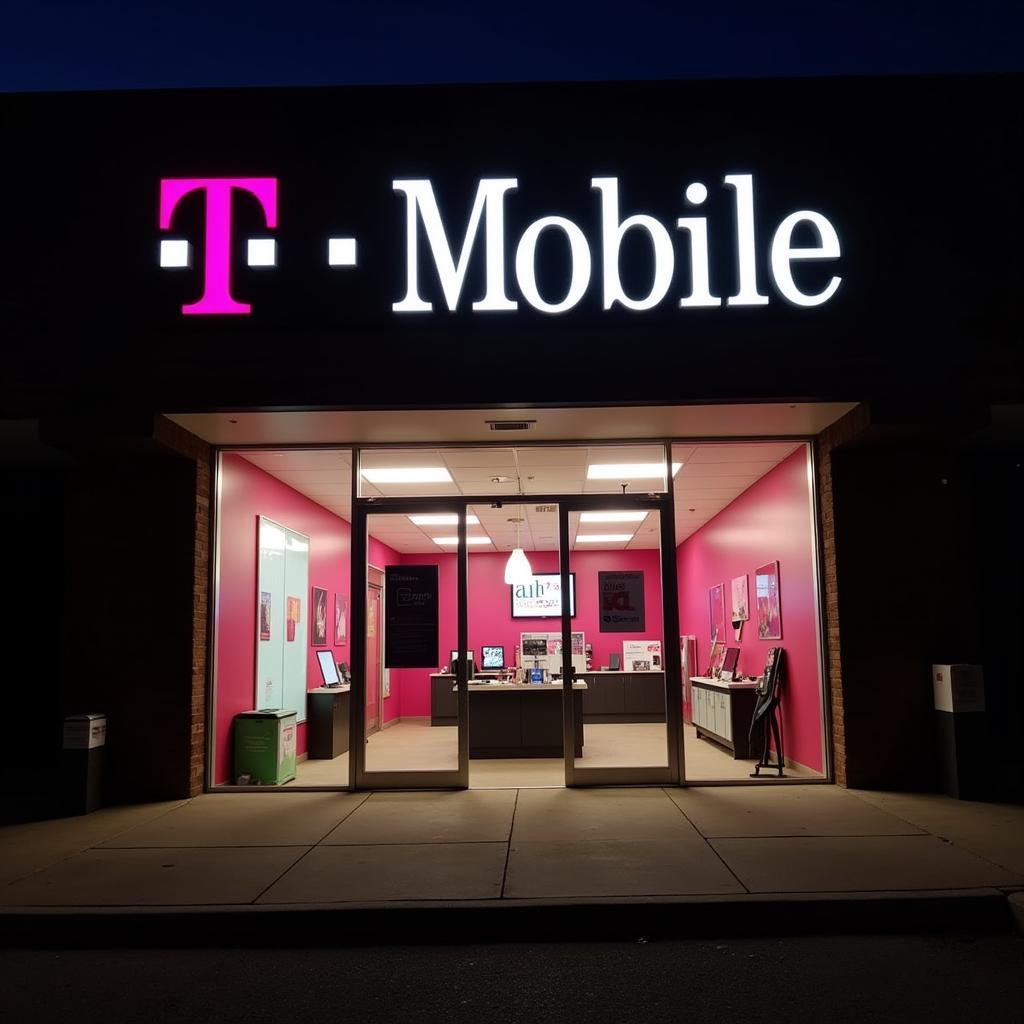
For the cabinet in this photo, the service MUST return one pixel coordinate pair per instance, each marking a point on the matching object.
(623, 697)
(722, 712)
(327, 718)
(444, 701)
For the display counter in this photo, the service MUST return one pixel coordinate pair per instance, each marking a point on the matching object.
(723, 711)
(521, 720)
(327, 718)
(623, 697)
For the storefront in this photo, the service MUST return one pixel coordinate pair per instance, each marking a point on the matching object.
(235, 315)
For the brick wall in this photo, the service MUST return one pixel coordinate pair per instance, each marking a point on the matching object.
(843, 430)
(179, 440)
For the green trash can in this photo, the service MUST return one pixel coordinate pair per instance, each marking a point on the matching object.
(265, 747)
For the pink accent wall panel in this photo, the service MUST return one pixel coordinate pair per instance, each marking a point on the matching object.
(770, 521)
(247, 493)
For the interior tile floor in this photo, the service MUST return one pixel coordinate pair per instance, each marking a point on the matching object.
(415, 745)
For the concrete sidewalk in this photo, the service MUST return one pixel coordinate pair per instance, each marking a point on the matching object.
(785, 847)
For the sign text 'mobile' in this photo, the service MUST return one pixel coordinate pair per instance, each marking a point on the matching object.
(488, 217)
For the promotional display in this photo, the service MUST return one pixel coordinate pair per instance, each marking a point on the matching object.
(641, 655)
(622, 602)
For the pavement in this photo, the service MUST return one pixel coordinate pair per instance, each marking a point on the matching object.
(512, 863)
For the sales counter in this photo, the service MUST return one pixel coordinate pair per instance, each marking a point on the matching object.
(509, 719)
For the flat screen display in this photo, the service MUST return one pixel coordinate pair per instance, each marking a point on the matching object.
(453, 656)
(328, 669)
(492, 657)
(541, 598)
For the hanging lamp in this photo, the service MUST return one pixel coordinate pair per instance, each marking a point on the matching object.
(517, 568)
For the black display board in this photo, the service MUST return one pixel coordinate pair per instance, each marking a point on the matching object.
(621, 597)
(411, 614)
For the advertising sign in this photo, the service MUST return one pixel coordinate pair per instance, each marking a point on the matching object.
(641, 656)
(621, 596)
(411, 614)
(541, 598)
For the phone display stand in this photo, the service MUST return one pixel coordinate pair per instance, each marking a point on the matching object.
(766, 717)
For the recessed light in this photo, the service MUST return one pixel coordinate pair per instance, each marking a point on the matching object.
(410, 475)
(604, 538)
(612, 517)
(629, 470)
(443, 519)
(455, 540)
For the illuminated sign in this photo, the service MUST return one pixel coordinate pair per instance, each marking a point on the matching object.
(541, 598)
(487, 218)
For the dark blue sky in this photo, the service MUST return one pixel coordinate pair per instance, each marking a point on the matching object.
(140, 44)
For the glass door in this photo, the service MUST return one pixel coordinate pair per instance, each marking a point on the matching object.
(406, 635)
(622, 716)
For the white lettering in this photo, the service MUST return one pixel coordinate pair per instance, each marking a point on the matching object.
(748, 295)
(612, 233)
(700, 291)
(783, 253)
(526, 256)
(420, 198)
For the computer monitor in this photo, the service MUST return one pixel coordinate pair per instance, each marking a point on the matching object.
(328, 669)
(492, 656)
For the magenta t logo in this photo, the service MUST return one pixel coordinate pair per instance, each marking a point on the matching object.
(216, 297)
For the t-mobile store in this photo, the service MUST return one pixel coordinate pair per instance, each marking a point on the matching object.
(633, 434)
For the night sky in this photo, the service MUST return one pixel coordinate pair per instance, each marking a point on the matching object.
(47, 45)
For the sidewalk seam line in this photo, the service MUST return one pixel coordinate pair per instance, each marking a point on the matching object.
(508, 846)
(707, 843)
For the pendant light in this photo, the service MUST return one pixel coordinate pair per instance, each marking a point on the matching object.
(517, 568)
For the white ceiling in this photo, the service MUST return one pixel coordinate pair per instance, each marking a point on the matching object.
(712, 475)
(448, 426)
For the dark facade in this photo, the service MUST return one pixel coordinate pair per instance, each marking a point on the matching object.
(918, 487)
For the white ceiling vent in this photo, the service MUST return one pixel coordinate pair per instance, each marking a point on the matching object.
(545, 508)
(511, 424)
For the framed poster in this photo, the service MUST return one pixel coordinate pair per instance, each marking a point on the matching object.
(340, 619)
(769, 606)
(318, 621)
(266, 601)
(740, 599)
(294, 616)
(716, 604)
(621, 602)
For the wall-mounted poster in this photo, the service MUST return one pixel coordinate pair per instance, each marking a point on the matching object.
(769, 606)
(740, 599)
(621, 597)
(716, 602)
(318, 621)
(265, 601)
(294, 616)
(340, 616)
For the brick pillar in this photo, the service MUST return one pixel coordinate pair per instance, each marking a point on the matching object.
(179, 440)
(838, 433)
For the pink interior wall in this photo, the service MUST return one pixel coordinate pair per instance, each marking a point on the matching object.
(769, 522)
(246, 493)
(490, 612)
(380, 555)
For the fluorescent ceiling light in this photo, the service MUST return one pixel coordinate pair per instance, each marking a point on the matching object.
(413, 475)
(613, 517)
(629, 470)
(443, 519)
(604, 538)
(455, 540)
